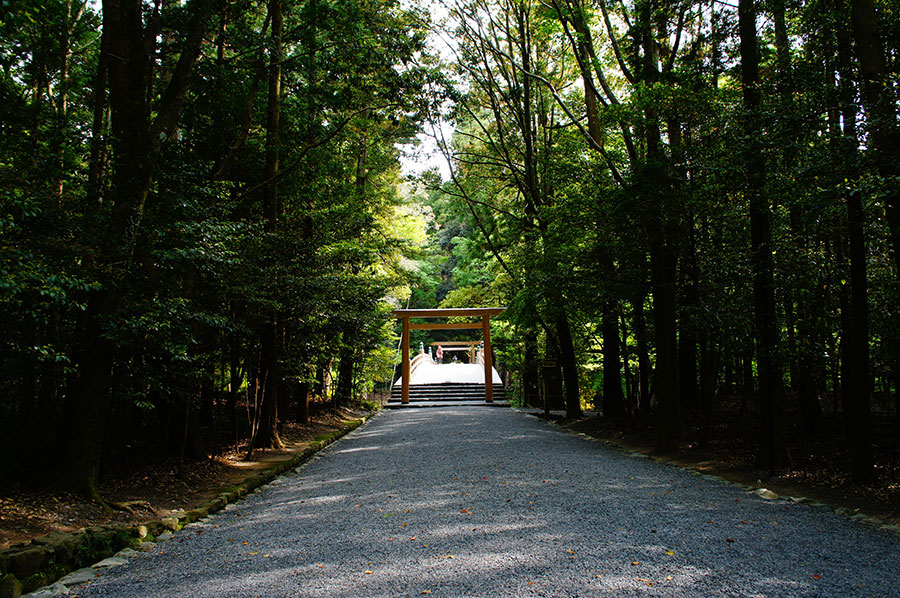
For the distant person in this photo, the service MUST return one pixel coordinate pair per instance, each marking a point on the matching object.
(455, 359)
(440, 354)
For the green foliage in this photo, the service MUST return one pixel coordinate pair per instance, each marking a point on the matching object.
(209, 270)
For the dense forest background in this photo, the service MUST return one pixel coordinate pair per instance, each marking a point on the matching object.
(689, 208)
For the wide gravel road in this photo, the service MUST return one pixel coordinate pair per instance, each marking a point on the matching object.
(477, 501)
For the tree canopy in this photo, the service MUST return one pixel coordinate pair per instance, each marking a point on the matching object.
(689, 208)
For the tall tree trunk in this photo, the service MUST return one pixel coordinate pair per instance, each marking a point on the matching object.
(137, 141)
(688, 323)
(643, 353)
(881, 111)
(613, 399)
(95, 169)
(569, 367)
(234, 384)
(302, 391)
(267, 435)
(655, 191)
(343, 392)
(856, 384)
(662, 266)
(531, 375)
(709, 359)
(772, 443)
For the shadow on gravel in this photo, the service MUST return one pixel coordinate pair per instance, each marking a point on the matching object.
(490, 503)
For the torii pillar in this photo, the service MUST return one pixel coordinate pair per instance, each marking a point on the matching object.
(488, 360)
(404, 361)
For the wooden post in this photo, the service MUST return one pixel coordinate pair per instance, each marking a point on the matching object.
(404, 361)
(488, 367)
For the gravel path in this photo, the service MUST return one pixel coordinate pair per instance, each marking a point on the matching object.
(490, 502)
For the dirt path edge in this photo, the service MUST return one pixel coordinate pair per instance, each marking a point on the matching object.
(48, 558)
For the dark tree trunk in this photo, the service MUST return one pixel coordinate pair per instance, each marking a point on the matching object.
(643, 354)
(96, 160)
(688, 324)
(343, 392)
(303, 402)
(881, 111)
(267, 435)
(531, 377)
(665, 381)
(234, 385)
(137, 140)
(709, 359)
(613, 399)
(856, 384)
(772, 445)
(569, 367)
(86, 428)
(656, 191)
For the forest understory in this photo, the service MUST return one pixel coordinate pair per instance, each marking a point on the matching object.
(153, 487)
(819, 472)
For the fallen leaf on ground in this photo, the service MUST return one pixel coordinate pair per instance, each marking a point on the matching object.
(369, 572)
(635, 563)
(670, 552)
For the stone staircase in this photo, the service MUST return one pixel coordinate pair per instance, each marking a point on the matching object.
(447, 395)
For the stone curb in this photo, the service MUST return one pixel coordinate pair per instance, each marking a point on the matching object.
(53, 558)
(764, 493)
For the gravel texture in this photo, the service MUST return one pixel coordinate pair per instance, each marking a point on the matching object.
(491, 502)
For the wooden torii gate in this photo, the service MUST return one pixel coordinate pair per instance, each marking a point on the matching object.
(484, 313)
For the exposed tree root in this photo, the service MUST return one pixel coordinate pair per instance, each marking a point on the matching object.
(128, 504)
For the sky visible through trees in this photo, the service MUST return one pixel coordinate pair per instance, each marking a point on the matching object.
(690, 209)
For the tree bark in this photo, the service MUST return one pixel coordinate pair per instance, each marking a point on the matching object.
(639, 323)
(613, 399)
(531, 376)
(881, 111)
(343, 392)
(772, 450)
(856, 384)
(267, 435)
(569, 367)
(136, 142)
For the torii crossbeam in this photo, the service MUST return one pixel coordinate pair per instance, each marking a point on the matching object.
(484, 313)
